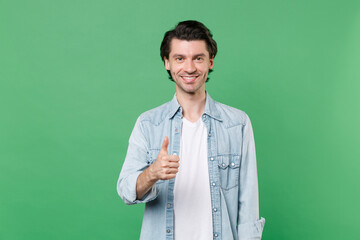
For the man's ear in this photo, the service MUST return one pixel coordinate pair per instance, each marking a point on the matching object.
(211, 63)
(166, 63)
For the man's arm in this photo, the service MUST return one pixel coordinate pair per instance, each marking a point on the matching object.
(136, 183)
(250, 227)
(135, 163)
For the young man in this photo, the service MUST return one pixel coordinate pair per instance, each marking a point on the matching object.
(192, 160)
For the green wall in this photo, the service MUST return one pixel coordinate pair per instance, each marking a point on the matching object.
(75, 75)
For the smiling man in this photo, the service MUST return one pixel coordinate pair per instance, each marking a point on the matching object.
(192, 160)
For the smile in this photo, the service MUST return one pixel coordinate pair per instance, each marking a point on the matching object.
(189, 79)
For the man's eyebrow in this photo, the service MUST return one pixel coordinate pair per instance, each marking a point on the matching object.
(200, 55)
(196, 55)
(178, 55)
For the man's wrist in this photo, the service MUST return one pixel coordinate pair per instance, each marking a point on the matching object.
(151, 177)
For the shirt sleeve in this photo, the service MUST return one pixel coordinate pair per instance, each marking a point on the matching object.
(249, 224)
(135, 163)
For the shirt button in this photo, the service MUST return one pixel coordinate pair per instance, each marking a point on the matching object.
(232, 164)
(168, 231)
(211, 159)
(215, 235)
(223, 164)
(176, 130)
(209, 134)
(169, 205)
(214, 209)
(204, 116)
(214, 184)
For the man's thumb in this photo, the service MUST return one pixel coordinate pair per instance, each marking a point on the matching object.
(165, 145)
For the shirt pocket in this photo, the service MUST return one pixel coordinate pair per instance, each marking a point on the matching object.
(229, 167)
(151, 158)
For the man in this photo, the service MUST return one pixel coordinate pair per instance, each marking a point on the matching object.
(192, 160)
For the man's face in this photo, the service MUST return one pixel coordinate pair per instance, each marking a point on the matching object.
(189, 64)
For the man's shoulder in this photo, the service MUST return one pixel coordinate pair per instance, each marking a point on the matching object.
(231, 116)
(156, 115)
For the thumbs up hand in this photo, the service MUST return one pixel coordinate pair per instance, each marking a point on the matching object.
(166, 166)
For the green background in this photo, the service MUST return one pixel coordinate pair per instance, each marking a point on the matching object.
(76, 74)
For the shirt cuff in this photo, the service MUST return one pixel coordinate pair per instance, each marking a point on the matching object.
(251, 230)
(130, 192)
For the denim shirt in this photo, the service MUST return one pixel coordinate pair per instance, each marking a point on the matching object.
(231, 164)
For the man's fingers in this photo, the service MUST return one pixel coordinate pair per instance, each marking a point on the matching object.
(169, 176)
(171, 171)
(165, 145)
(173, 158)
(173, 165)
(170, 158)
(169, 164)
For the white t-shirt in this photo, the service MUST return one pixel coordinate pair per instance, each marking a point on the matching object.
(192, 201)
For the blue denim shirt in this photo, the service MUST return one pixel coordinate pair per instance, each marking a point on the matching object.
(232, 171)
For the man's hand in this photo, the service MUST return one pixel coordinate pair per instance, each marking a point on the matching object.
(165, 167)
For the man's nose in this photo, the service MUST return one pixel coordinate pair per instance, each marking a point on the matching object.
(189, 66)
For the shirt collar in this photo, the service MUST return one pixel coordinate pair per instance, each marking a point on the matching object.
(210, 108)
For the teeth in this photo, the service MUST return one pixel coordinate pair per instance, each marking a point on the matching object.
(188, 78)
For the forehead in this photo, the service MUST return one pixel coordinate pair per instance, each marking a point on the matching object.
(185, 47)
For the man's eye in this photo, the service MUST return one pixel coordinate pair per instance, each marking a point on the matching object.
(199, 59)
(179, 59)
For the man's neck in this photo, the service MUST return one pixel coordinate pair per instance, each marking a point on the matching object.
(192, 105)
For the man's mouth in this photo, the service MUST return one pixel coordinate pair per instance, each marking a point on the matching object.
(189, 79)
